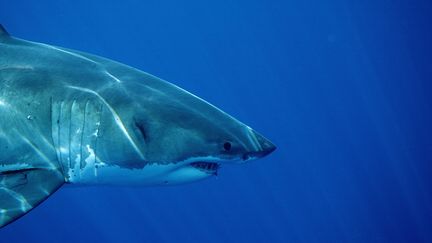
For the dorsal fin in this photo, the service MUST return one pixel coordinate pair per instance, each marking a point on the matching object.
(3, 31)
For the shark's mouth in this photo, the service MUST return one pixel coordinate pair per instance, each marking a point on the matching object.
(208, 167)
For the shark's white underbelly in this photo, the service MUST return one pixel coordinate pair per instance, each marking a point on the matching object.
(152, 174)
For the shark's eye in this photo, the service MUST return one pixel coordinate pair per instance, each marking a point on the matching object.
(227, 146)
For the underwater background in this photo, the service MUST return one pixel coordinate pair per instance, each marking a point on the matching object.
(343, 88)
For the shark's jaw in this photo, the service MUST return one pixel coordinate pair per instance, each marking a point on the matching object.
(209, 167)
(190, 170)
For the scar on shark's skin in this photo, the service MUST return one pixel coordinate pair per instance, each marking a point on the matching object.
(72, 117)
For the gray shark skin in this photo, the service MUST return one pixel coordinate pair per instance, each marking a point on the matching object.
(72, 117)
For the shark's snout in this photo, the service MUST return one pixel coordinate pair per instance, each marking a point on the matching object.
(261, 146)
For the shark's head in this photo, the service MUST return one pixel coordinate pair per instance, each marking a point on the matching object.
(157, 133)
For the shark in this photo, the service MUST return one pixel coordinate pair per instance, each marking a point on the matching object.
(69, 117)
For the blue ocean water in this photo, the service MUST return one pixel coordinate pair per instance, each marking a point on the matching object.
(343, 88)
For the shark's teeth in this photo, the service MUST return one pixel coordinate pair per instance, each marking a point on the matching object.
(206, 166)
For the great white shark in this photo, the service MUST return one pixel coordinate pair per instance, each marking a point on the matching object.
(69, 117)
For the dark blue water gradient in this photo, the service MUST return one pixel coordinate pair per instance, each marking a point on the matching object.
(342, 87)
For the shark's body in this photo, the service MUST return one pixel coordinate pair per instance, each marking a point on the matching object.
(72, 117)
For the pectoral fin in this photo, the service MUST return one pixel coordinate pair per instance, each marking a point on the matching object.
(22, 190)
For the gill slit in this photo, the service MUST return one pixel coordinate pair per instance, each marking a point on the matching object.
(96, 159)
(58, 134)
(70, 135)
(56, 120)
(82, 135)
